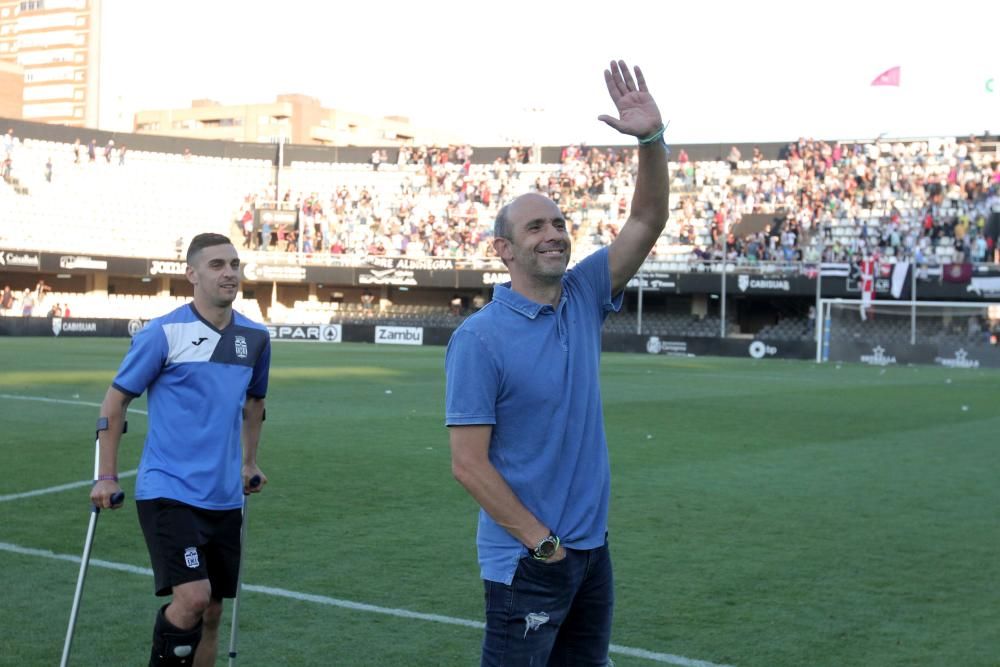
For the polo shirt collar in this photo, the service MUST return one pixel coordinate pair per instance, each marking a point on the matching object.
(504, 295)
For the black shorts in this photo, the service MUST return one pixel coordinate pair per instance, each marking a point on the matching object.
(189, 543)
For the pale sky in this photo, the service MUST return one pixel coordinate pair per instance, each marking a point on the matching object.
(763, 70)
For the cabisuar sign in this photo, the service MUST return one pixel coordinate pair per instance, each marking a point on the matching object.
(745, 282)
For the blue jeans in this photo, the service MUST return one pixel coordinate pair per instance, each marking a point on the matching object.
(552, 613)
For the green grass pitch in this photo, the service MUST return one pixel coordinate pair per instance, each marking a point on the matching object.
(764, 513)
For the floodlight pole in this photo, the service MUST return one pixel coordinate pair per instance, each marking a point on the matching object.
(913, 303)
(722, 306)
(638, 325)
(819, 295)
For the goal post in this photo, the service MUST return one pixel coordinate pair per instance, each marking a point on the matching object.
(958, 334)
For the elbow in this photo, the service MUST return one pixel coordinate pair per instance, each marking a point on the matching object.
(464, 471)
(459, 471)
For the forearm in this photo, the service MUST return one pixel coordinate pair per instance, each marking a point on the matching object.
(495, 496)
(253, 422)
(651, 199)
(113, 408)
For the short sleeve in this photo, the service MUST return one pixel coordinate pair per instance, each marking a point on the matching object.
(261, 370)
(593, 275)
(143, 362)
(472, 381)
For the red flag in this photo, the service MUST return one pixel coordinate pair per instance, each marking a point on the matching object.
(869, 267)
(890, 77)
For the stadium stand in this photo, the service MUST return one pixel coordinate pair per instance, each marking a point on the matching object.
(929, 201)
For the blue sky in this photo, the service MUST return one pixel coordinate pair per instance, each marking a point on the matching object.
(531, 71)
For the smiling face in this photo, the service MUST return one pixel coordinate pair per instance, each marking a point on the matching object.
(536, 245)
(215, 273)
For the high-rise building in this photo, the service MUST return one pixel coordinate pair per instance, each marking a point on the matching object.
(57, 45)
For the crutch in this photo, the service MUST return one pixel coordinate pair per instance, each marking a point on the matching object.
(116, 499)
(254, 483)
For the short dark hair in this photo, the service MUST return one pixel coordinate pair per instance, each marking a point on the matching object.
(202, 241)
(501, 226)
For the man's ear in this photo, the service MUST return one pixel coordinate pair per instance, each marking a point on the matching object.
(502, 248)
(190, 274)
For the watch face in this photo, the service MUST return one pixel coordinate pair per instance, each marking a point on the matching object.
(547, 548)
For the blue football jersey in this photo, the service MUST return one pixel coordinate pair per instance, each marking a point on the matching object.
(198, 378)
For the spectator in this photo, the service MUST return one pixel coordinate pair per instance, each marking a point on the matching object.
(41, 289)
(367, 302)
(734, 158)
(6, 299)
(27, 302)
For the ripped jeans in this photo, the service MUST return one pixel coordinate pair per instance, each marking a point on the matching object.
(551, 614)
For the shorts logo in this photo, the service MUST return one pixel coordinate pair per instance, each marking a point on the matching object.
(241, 347)
(191, 557)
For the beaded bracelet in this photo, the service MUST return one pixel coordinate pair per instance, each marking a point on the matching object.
(107, 478)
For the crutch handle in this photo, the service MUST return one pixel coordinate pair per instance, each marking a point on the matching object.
(255, 481)
(117, 498)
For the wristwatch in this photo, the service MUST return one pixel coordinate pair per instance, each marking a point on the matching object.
(546, 548)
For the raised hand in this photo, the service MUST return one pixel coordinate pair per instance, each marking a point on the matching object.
(638, 114)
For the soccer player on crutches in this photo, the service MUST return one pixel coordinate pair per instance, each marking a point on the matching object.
(205, 368)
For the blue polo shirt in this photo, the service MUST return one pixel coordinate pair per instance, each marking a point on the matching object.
(532, 372)
(198, 378)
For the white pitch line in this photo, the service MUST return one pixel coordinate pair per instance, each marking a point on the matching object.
(56, 489)
(665, 658)
(70, 485)
(42, 399)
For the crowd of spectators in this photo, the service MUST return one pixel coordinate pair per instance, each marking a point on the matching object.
(931, 201)
(831, 202)
(28, 302)
(890, 199)
(91, 151)
(445, 206)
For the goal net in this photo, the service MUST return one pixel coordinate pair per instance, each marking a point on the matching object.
(947, 333)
